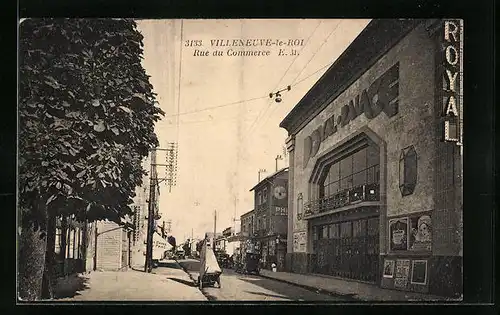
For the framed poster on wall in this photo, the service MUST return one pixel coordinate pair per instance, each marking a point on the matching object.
(398, 234)
(419, 272)
(402, 273)
(299, 242)
(388, 268)
(420, 233)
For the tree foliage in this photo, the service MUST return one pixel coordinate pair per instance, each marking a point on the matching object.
(86, 112)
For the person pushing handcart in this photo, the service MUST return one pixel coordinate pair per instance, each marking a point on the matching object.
(210, 270)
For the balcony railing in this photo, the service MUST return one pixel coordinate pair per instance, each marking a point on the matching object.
(369, 192)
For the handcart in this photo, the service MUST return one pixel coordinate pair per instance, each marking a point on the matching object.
(209, 270)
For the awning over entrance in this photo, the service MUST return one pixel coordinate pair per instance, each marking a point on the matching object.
(238, 238)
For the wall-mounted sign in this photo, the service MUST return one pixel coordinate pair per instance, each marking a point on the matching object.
(299, 242)
(452, 84)
(398, 233)
(388, 268)
(380, 97)
(419, 272)
(283, 211)
(420, 233)
(402, 273)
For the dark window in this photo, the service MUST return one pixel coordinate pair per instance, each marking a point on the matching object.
(407, 170)
(359, 228)
(345, 229)
(325, 231)
(334, 231)
(359, 168)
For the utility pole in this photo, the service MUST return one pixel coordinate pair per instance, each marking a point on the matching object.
(95, 246)
(149, 239)
(153, 183)
(215, 228)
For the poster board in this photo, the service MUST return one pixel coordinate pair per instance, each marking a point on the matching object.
(420, 233)
(401, 273)
(398, 234)
(389, 268)
(419, 272)
(299, 242)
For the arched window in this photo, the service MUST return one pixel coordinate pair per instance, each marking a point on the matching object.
(360, 167)
(407, 170)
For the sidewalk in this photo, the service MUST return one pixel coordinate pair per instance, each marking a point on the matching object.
(351, 289)
(167, 284)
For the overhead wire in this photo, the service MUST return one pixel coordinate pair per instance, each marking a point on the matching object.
(218, 106)
(308, 62)
(246, 100)
(255, 98)
(279, 82)
(179, 85)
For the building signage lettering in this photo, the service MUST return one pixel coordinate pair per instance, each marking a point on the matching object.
(452, 64)
(380, 97)
(282, 211)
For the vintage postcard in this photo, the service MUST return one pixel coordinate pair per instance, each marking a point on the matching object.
(240, 160)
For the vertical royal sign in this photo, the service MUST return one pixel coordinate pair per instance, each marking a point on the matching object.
(452, 81)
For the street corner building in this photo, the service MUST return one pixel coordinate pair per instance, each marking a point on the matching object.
(268, 220)
(375, 176)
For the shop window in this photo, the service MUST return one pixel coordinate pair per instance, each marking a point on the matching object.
(407, 171)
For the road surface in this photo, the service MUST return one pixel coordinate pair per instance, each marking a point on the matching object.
(238, 287)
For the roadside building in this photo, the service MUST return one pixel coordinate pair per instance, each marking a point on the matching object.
(114, 245)
(247, 234)
(271, 211)
(375, 169)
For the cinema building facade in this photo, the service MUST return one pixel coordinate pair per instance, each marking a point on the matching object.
(375, 176)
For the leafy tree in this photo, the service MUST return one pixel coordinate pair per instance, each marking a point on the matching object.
(87, 113)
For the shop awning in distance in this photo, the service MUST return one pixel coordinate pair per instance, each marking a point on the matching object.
(237, 238)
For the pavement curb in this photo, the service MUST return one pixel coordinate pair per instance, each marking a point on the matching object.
(354, 297)
(185, 270)
(194, 281)
(348, 297)
(206, 295)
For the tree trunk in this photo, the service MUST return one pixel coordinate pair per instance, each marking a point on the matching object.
(64, 231)
(32, 248)
(85, 244)
(48, 275)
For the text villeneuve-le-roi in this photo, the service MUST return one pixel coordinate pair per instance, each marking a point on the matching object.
(252, 47)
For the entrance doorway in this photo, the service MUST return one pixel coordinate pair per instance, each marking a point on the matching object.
(348, 249)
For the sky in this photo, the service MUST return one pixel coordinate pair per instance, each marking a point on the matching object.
(218, 109)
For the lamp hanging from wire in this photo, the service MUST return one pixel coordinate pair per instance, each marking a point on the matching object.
(277, 95)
